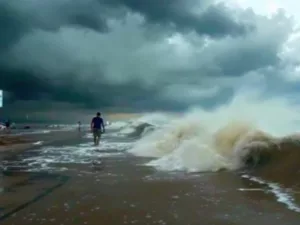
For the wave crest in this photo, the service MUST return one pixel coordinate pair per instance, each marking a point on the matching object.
(139, 127)
(192, 146)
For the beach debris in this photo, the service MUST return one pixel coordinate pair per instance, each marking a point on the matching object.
(97, 164)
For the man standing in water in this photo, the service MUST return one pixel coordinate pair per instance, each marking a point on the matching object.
(96, 125)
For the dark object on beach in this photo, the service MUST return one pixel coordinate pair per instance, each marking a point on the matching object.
(97, 164)
(27, 127)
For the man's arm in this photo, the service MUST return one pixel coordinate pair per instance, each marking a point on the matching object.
(103, 127)
(92, 124)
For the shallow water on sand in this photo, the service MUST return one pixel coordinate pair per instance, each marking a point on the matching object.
(77, 183)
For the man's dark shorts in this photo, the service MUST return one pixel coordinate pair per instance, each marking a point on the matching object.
(97, 132)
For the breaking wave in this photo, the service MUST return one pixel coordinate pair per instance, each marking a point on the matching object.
(244, 133)
(139, 127)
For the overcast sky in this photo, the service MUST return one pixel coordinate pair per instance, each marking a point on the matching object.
(146, 54)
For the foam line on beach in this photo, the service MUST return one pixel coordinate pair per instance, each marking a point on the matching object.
(46, 158)
(281, 195)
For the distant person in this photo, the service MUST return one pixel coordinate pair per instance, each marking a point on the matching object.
(79, 126)
(7, 125)
(96, 125)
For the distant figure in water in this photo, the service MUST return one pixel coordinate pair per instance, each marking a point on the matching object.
(96, 125)
(8, 125)
(79, 126)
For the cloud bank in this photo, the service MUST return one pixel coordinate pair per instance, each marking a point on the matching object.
(143, 55)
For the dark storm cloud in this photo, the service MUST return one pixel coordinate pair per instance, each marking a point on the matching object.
(17, 18)
(41, 59)
(247, 58)
(12, 26)
(214, 20)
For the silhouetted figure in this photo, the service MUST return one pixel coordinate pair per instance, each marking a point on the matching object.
(79, 126)
(96, 125)
(7, 125)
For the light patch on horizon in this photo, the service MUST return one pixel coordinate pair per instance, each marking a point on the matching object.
(290, 48)
(293, 74)
(267, 7)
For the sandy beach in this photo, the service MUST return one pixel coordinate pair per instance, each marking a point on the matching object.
(124, 194)
(6, 140)
(118, 189)
(21, 141)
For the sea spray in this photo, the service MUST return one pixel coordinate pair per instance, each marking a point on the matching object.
(221, 138)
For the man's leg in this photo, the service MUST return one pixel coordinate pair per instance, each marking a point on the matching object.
(95, 136)
(98, 136)
(97, 142)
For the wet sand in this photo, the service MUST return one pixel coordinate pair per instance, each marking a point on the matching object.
(18, 141)
(14, 143)
(6, 140)
(123, 191)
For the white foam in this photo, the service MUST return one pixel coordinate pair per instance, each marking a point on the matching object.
(32, 132)
(209, 140)
(117, 125)
(79, 154)
(282, 196)
(108, 146)
(185, 158)
(251, 189)
(38, 143)
(155, 119)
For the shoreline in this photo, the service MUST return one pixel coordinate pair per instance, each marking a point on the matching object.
(22, 142)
